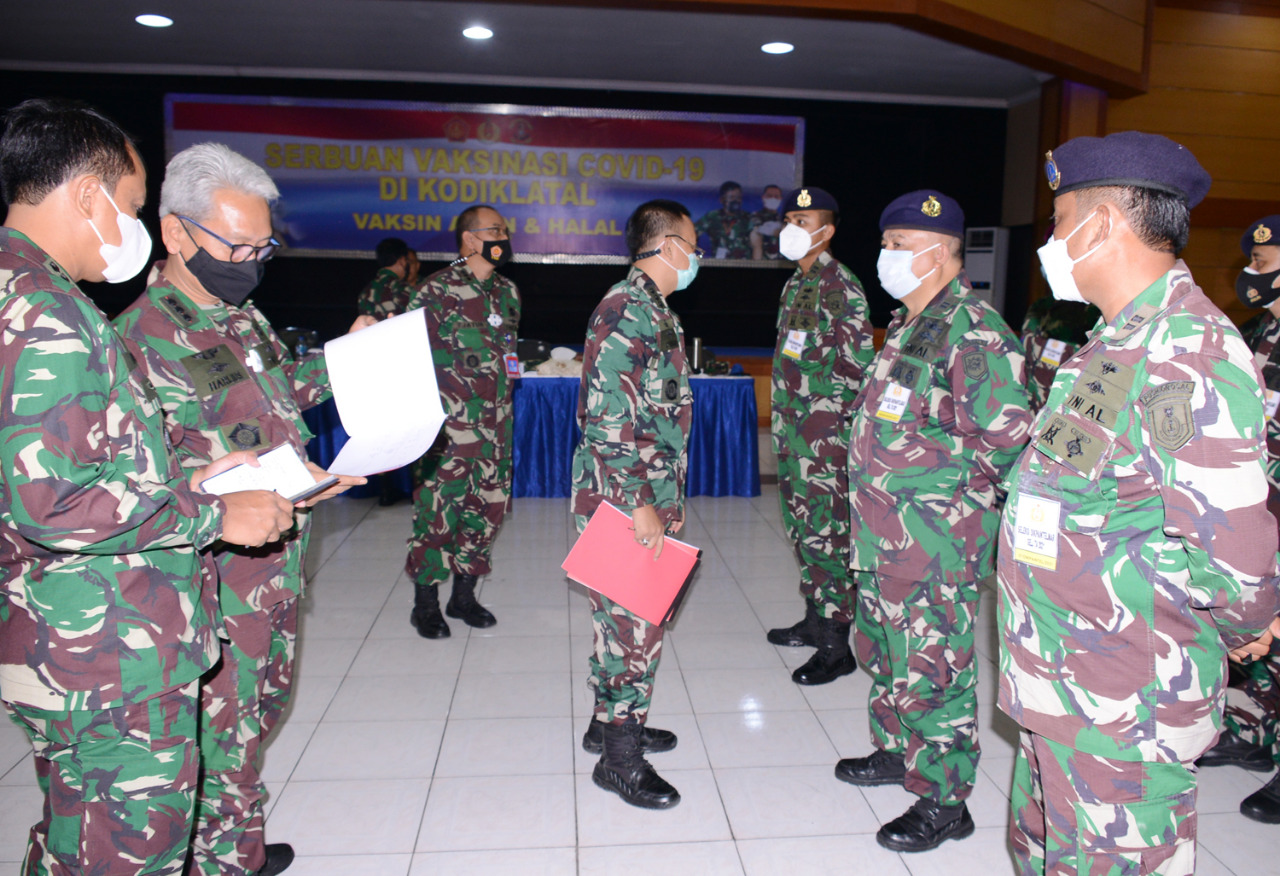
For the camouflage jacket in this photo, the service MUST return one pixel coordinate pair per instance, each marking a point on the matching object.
(824, 343)
(1051, 333)
(768, 242)
(941, 416)
(1135, 545)
(634, 404)
(385, 296)
(729, 234)
(102, 597)
(227, 382)
(472, 325)
(1262, 334)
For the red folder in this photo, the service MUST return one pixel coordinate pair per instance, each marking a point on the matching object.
(608, 560)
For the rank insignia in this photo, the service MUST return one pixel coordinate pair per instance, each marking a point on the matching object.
(931, 207)
(1261, 234)
(804, 199)
(1051, 171)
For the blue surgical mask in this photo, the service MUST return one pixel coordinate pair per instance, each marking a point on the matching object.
(684, 276)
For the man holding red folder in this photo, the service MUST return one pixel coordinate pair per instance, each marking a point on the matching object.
(635, 408)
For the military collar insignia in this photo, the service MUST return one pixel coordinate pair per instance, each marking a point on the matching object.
(1261, 234)
(1051, 171)
(931, 207)
(804, 199)
(1141, 317)
(177, 311)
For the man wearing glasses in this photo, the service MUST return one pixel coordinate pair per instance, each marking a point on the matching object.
(464, 481)
(226, 382)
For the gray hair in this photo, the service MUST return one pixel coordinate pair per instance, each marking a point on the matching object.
(197, 172)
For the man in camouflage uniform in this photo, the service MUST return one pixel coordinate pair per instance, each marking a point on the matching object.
(1135, 547)
(728, 229)
(941, 416)
(464, 482)
(106, 622)
(1248, 737)
(635, 409)
(389, 291)
(765, 225)
(824, 343)
(226, 382)
(1051, 333)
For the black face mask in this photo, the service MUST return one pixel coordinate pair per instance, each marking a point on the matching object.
(1257, 290)
(496, 252)
(230, 281)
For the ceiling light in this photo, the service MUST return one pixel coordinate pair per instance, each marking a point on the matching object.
(149, 20)
(477, 32)
(777, 48)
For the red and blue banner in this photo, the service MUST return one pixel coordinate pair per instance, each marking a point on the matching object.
(353, 172)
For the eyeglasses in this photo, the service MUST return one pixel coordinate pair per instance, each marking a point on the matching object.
(240, 252)
(505, 235)
(697, 250)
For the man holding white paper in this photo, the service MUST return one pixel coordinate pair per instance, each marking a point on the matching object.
(635, 408)
(226, 382)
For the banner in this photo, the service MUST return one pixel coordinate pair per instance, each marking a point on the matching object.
(353, 172)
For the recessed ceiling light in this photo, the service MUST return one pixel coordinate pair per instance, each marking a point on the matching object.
(777, 48)
(149, 20)
(477, 32)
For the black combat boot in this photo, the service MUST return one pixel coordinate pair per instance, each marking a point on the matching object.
(833, 658)
(799, 635)
(279, 857)
(651, 739)
(880, 768)
(1264, 805)
(623, 770)
(426, 617)
(462, 604)
(926, 825)
(1231, 750)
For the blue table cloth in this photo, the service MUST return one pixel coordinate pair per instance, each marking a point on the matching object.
(723, 440)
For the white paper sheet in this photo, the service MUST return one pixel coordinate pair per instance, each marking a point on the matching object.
(384, 385)
(279, 470)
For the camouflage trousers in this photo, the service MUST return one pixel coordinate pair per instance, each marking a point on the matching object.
(458, 506)
(626, 650)
(1078, 814)
(242, 700)
(814, 494)
(916, 640)
(119, 786)
(1260, 683)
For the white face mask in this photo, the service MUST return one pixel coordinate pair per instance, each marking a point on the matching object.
(1058, 264)
(795, 243)
(125, 261)
(894, 269)
(771, 203)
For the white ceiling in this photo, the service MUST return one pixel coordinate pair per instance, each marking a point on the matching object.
(566, 46)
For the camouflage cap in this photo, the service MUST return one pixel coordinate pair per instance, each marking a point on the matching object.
(924, 210)
(1264, 232)
(1128, 158)
(808, 198)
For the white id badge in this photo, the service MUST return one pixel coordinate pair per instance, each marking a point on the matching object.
(1035, 532)
(254, 360)
(1053, 351)
(794, 346)
(894, 403)
(1271, 400)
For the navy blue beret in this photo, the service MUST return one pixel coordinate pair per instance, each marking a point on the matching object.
(925, 210)
(1129, 158)
(1266, 231)
(808, 198)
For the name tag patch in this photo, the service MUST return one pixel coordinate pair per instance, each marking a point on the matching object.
(894, 403)
(1035, 532)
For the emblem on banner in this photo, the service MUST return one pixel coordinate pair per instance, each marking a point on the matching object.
(931, 208)
(456, 129)
(489, 131)
(521, 131)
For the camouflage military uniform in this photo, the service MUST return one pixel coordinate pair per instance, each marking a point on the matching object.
(386, 296)
(1135, 549)
(634, 408)
(815, 379)
(941, 416)
(1052, 331)
(729, 233)
(226, 382)
(105, 623)
(768, 242)
(462, 493)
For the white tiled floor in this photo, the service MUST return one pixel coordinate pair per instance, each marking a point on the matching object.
(405, 756)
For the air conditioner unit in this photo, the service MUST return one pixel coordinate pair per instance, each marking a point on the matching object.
(986, 261)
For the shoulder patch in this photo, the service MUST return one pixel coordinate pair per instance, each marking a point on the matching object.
(975, 365)
(1168, 413)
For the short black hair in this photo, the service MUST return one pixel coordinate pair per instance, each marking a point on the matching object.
(47, 142)
(728, 186)
(1161, 220)
(469, 220)
(653, 219)
(389, 251)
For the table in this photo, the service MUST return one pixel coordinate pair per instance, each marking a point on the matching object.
(723, 441)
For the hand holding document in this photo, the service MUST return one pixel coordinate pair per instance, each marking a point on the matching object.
(384, 384)
(278, 471)
(608, 559)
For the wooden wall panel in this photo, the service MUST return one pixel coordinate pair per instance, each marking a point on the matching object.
(1111, 30)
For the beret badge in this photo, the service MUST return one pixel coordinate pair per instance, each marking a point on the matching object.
(931, 208)
(1261, 234)
(804, 199)
(1051, 171)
